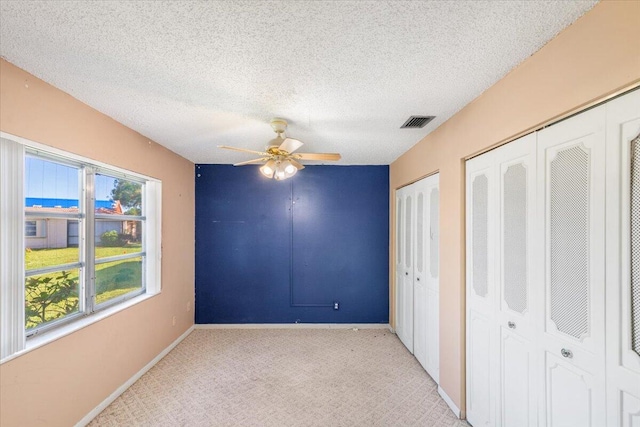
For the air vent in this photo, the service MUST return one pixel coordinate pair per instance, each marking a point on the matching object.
(417, 122)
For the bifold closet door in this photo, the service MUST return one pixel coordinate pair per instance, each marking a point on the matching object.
(623, 261)
(500, 327)
(404, 266)
(426, 291)
(432, 245)
(482, 366)
(516, 391)
(571, 203)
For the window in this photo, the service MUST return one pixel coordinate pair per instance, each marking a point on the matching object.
(35, 228)
(91, 240)
(30, 229)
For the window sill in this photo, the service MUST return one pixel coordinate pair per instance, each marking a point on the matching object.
(57, 333)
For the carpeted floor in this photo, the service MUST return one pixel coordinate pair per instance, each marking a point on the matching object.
(283, 377)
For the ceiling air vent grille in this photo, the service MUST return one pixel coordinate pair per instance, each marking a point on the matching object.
(417, 122)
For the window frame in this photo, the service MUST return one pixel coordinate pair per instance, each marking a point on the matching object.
(16, 339)
(27, 228)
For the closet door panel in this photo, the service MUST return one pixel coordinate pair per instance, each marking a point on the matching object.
(482, 343)
(407, 278)
(515, 383)
(629, 412)
(404, 268)
(433, 279)
(571, 213)
(573, 396)
(420, 301)
(517, 168)
(433, 335)
(430, 277)
(399, 283)
(425, 302)
(480, 405)
(623, 260)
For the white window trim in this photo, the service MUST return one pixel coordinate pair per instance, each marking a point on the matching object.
(12, 335)
(13, 342)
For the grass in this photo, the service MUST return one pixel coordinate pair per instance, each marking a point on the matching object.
(117, 276)
(113, 279)
(40, 258)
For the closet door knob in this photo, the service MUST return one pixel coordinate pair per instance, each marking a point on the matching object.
(512, 325)
(406, 273)
(566, 353)
(418, 279)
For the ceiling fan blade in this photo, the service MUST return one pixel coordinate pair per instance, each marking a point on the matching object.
(248, 162)
(317, 156)
(290, 145)
(243, 150)
(297, 164)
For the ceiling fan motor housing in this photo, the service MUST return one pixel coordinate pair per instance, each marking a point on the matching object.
(279, 125)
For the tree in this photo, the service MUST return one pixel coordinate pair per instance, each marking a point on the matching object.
(129, 194)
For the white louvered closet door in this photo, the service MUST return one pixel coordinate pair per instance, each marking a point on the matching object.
(516, 400)
(426, 295)
(623, 261)
(571, 201)
(481, 292)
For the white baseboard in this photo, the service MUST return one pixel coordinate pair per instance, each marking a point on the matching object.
(447, 399)
(294, 326)
(94, 413)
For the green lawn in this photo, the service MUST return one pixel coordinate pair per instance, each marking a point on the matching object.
(40, 258)
(112, 279)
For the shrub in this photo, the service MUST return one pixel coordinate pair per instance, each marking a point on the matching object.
(110, 238)
(50, 297)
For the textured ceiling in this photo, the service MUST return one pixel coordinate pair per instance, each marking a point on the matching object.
(345, 74)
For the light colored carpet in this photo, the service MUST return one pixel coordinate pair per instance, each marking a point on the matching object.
(283, 377)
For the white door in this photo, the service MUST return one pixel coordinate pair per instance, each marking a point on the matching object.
(516, 163)
(432, 262)
(571, 200)
(481, 292)
(420, 297)
(426, 334)
(404, 266)
(623, 261)
(501, 196)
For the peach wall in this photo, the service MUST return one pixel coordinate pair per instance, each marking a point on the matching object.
(595, 57)
(58, 384)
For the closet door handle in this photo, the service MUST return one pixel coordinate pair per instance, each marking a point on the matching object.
(511, 325)
(418, 279)
(406, 273)
(566, 353)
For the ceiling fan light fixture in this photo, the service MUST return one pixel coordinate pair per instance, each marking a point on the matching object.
(280, 174)
(268, 168)
(282, 162)
(289, 168)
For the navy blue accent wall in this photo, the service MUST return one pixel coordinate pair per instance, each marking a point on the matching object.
(285, 251)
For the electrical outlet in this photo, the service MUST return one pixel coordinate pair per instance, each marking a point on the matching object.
(336, 305)
(174, 321)
(189, 306)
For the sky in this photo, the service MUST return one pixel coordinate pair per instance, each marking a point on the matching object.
(50, 180)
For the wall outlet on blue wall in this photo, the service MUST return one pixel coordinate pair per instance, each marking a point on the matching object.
(336, 305)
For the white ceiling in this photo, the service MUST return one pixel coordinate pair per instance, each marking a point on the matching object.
(345, 74)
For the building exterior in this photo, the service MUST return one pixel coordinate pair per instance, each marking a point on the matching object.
(44, 229)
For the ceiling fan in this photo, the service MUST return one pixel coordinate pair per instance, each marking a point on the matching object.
(280, 160)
